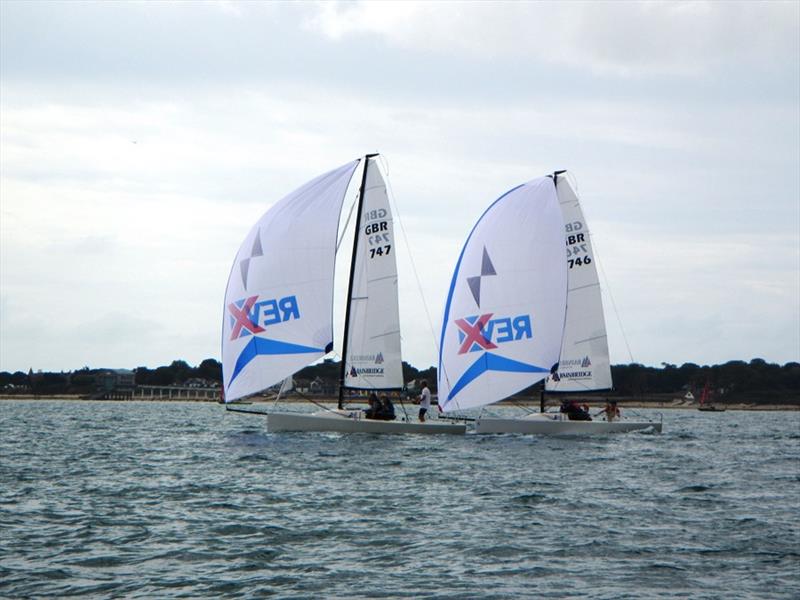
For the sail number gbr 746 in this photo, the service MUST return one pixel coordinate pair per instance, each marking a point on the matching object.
(576, 245)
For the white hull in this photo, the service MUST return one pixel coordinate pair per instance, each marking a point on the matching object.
(554, 425)
(353, 422)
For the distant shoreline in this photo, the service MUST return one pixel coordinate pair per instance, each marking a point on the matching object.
(656, 404)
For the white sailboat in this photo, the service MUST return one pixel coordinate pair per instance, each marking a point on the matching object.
(279, 302)
(532, 312)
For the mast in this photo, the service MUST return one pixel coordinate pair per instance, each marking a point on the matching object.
(343, 371)
(542, 397)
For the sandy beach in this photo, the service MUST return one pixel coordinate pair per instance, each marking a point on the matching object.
(650, 402)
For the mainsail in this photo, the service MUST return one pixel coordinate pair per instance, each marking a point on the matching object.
(278, 301)
(584, 363)
(504, 315)
(372, 354)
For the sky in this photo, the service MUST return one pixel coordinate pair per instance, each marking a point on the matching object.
(139, 142)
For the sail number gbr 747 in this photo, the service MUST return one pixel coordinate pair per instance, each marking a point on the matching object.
(377, 232)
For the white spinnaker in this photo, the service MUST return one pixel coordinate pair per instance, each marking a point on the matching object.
(504, 316)
(584, 363)
(373, 344)
(278, 302)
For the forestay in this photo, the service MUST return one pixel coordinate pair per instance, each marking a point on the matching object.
(504, 315)
(584, 363)
(373, 342)
(278, 301)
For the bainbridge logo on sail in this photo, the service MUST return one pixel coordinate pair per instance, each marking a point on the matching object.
(372, 358)
(366, 371)
(249, 316)
(476, 333)
(574, 363)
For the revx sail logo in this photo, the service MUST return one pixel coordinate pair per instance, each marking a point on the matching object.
(476, 333)
(241, 323)
(486, 333)
(249, 316)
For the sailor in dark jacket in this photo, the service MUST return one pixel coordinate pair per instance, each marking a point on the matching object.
(574, 412)
(373, 412)
(386, 411)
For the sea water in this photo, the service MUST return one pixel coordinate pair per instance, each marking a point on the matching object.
(158, 500)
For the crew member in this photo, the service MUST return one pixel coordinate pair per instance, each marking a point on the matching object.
(424, 401)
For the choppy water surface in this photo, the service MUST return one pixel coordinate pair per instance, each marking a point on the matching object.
(161, 500)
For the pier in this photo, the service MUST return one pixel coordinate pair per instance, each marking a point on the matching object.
(172, 392)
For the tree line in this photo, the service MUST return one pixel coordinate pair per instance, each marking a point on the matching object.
(734, 381)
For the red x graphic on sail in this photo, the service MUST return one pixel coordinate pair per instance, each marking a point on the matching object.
(243, 318)
(474, 334)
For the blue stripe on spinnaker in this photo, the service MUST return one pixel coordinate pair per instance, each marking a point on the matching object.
(492, 362)
(260, 346)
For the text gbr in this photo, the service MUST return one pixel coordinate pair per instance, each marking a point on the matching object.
(576, 244)
(377, 232)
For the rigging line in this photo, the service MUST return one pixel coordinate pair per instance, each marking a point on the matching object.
(347, 222)
(374, 279)
(636, 413)
(591, 339)
(301, 395)
(280, 391)
(393, 200)
(573, 181)
(384, 163)
(319, 404)
(611, 297)
(520, 405)
(403, 406)
(380, 335)
(583, 287)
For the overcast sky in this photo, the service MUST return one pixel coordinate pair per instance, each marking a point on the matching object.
(139, 142)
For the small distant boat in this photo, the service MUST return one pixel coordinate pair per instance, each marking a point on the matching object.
(279, 302)
(706, 405)
(521, 310)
